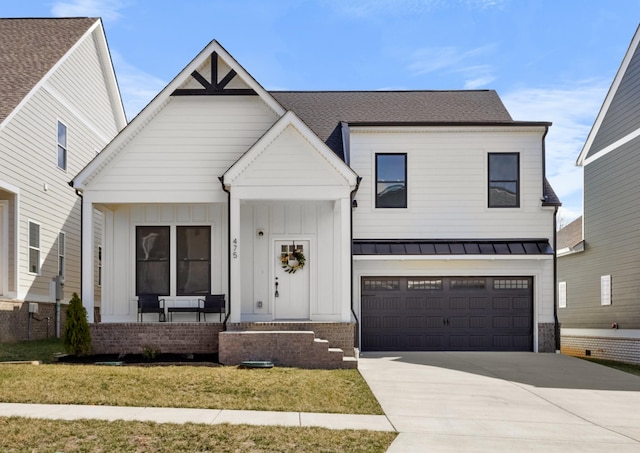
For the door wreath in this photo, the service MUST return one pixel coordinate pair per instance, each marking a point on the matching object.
(293, 260)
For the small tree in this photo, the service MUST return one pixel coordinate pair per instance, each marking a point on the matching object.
(77, 337)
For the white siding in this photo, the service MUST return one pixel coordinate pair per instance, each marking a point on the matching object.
(181, 153)
(447, 185)
(29, 162)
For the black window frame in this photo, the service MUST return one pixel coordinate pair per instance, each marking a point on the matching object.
(167, 259)
(179, 283)
(490, 181)
(379, 181)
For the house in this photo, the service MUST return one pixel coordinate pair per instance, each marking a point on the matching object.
(59, 106)
(416, 220)
(598, 265)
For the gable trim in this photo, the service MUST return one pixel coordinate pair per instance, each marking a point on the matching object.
(288, 119)
(612, 147)
(161, 100)
(581, 161)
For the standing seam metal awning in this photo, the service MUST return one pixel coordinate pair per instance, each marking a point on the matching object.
(452, 247)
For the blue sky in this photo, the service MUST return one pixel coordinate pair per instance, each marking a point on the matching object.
(549, 60)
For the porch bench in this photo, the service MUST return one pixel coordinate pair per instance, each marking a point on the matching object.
(173, 310)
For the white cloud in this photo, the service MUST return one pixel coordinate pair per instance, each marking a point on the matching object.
(368, 8)
(108, 10)
(572, 110)
(137, 87)
(450, 60)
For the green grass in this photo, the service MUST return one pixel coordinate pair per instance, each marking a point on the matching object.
(42, 350)
(622, 366)
(33, 435)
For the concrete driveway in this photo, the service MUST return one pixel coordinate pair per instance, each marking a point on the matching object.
(504, 402)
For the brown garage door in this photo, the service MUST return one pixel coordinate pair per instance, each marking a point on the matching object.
(447, 314)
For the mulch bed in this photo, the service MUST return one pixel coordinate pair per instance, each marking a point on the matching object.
(142, 360)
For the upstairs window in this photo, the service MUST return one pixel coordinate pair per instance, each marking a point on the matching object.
(34, 248)
(62, 146)
(391, 180)
(504, 181)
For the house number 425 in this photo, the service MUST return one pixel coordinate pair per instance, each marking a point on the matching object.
(234, 253)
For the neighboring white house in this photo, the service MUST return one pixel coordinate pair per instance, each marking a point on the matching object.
(218, 183)
(59, 106)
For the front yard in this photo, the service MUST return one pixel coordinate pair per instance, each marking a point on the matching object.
(275, 389)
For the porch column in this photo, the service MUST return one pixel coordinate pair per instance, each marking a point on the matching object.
(342, 271)
(235, 248)
(87, 258)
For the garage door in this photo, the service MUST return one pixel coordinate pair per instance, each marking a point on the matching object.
(447, 314)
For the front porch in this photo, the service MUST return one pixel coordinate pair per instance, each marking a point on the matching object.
(294, 344)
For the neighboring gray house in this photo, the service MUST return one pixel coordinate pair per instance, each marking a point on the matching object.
(424, 218)
(599, 253)
(59, 106)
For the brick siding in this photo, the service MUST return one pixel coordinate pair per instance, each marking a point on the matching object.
(339, 334)
(14, 321)
(174, 337)
(618, 349)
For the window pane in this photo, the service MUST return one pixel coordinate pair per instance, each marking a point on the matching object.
(34, 235)
(34, 261)
(503, 167)
(152, 256)
(391, 167)
(62, 157)
(391, 195)
(193, 256)
(503, 194)
(62, 134)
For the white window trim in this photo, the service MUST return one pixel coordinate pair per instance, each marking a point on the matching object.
(30, 247)
(605, 290)
(62, 246)
(562, 294)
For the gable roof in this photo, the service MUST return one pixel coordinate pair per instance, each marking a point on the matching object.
(183, 79)
(625, 82)
(29, 49)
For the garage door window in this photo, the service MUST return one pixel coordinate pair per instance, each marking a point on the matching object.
(422, 285)
(381, 285)
(468, 283)
(511, 284)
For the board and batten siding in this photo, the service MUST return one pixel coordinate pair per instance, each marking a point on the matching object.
(312, 221)
(180, 154)
(612, 238)
(622, 115)
(119, 245)
(29, 150)
(447, 184)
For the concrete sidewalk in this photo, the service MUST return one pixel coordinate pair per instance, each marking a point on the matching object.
(504, 402)
(204, 416)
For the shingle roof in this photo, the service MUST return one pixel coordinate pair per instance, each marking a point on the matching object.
(452, 247)
(29, 48)
(323, 111)
(570, 235)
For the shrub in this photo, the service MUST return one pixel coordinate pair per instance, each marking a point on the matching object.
(77, 337)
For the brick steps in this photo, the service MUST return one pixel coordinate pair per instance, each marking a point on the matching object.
(291, 348)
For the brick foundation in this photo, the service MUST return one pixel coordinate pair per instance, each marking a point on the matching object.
(618, 349)
(283, 348)
(546, 337)
(174, 338)
(14, 321)
(339, 334)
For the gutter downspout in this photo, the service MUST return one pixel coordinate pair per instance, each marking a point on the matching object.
(353, 192)
(221, 179)
(556, 324)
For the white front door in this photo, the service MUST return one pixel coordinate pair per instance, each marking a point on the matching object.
(292, 293)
